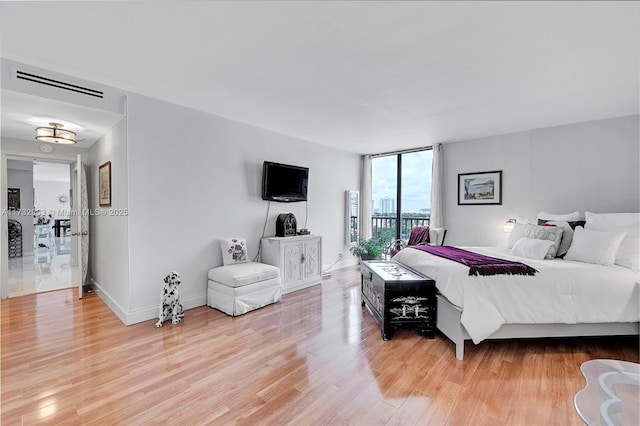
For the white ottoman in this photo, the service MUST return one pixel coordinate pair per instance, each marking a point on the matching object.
(243, 287)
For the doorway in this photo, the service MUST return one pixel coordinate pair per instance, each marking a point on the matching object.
(44, 213)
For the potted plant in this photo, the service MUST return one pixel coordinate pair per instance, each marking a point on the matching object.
(371, 248)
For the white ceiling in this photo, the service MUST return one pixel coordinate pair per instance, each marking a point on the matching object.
(22, 113)
(361, 76)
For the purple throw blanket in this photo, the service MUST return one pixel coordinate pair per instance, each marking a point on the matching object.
(479, 264)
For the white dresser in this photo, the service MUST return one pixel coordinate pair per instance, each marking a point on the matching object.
(299, 259)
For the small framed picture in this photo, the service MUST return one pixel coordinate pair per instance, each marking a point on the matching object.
(104, 184)
(480, 188)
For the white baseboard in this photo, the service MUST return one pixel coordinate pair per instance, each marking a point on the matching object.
(354, 261)
(342, 264)
(109, 301)
(144, 314)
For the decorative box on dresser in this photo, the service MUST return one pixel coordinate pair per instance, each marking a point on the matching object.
(298, 257)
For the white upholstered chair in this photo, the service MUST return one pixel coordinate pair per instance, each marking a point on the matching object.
(240, 286)
(437, 236)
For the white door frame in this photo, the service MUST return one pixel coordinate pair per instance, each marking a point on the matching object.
(4, 224)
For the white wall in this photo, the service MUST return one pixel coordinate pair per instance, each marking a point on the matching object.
(109, 233)
(20, 175)
(47, 195)
(195, 177)
(590, 166)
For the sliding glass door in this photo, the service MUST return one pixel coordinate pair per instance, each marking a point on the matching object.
(400, 192)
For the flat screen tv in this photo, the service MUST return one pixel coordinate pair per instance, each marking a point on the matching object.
(284, 183)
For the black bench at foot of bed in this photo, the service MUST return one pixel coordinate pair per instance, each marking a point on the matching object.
(399, 297)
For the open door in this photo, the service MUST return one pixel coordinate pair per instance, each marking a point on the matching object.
(80, 226)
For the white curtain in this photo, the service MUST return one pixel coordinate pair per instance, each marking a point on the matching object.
(365, 198)
(437, 189)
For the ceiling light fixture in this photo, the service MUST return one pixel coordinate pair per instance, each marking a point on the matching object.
(55, 134)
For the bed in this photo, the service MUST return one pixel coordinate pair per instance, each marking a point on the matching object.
(566, 297)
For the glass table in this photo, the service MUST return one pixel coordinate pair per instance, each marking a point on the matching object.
(611, 395)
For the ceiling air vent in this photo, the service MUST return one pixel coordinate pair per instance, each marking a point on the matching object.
(59, 84)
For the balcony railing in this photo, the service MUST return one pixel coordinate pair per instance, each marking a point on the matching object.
(387, 224)
(382, 224)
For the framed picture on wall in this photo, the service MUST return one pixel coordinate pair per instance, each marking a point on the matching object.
(104, 184)
(480, 188)
(13, 198)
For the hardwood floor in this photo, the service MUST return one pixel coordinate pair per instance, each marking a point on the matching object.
(315, 358)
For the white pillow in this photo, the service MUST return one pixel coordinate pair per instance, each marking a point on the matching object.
(234, 250)
(569, 217)
(518, 231)
(598, 247)
(629, 251)
(612, 221)
(552, 233)
(531, 248)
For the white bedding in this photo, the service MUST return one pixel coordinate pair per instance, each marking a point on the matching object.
(562, 291)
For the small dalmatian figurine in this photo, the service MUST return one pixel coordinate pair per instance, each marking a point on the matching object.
(170, 306)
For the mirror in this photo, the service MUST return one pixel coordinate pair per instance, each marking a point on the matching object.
(352, 219)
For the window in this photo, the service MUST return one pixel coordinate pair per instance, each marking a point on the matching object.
(400, 192)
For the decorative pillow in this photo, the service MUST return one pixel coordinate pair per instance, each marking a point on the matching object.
(519, 229)
(234, 250)
(531, 248)
(573, 224)
(567, 232)
(606, 221)
(569, 217)
(598, 247)
(552, 233)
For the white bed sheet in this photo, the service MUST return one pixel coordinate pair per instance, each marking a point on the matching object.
(562, 291)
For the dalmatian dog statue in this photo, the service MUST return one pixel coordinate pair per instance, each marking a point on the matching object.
(170, 306)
